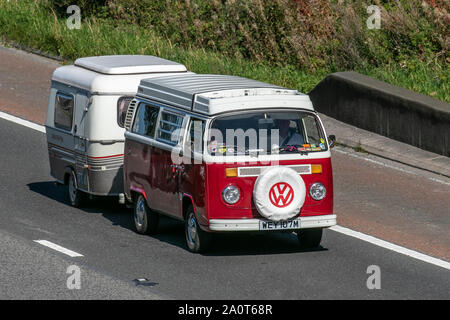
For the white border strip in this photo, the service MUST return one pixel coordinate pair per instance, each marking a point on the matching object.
(391, 246)
(22, 122)
(56, 247)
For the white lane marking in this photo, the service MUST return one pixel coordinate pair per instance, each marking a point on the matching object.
(22, 122)
(388, 166)
(56, 247)
(392, 247)
(336, 228)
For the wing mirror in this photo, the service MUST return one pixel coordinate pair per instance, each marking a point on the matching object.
(332, 140)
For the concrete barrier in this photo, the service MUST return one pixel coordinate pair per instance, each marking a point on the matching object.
(385, 109)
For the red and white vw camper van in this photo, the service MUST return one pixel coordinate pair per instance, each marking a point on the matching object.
(227, 154)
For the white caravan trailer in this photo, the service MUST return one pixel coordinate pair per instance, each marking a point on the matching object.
(85, 118)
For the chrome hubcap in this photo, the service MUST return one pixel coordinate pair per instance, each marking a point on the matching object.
(192, 229)
(72, 189)
(139, 213)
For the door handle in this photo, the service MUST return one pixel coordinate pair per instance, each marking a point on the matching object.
(176, 167)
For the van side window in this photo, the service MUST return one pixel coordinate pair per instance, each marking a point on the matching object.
(64, 111)
(195, 138)
(145, 120)
(169, 129)
(122, 108)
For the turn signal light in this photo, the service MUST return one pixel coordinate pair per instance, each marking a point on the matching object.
(316, 168)
(231, 172)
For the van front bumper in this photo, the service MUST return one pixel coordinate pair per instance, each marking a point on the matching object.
(323, 221)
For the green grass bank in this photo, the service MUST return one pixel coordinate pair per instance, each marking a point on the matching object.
(292, 43)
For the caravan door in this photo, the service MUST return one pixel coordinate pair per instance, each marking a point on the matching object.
(59, 132)
(82, 103)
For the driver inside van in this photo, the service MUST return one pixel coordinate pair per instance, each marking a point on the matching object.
(288, 136)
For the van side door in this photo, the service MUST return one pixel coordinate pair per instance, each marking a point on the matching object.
(193, 178)
(138, 171)
(166, 162)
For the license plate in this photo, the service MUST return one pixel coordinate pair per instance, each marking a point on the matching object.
(279, 225)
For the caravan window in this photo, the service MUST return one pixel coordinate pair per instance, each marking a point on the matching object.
(63, 111)
(122, 108)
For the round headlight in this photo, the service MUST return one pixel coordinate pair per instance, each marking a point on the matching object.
(318, 191)
(231, 194)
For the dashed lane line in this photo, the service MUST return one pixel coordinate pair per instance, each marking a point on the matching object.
(58, 248)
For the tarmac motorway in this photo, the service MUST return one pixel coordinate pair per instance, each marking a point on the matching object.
(400, 205)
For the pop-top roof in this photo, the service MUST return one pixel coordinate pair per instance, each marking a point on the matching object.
(129, 64)
(202, 83)
(212, 94)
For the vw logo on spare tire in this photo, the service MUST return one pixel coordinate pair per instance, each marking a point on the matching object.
(279, 193)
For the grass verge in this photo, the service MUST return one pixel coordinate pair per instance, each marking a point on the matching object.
(32, 24)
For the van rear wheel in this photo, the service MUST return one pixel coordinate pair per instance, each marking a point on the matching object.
(197, 240)
(146, 220)
(309, 238)
(76, 196)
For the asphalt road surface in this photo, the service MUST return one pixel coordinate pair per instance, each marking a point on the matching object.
(240, 266)
(393, 202)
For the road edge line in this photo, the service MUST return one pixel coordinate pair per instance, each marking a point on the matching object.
(23, 122)
(390, 246)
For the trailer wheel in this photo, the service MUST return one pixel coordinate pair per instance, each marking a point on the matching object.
(145, 220)
(76, 196)
(197, 240)
(309, 238)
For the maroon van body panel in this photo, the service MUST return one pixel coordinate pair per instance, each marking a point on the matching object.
(148, 168)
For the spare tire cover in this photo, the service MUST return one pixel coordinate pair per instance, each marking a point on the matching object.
(279, 193)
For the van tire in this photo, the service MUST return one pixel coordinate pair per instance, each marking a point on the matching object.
(197, 240)
(76, 197)
(309, 238)
(146, 221)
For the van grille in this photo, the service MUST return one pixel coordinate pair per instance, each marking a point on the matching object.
(256, 171)
(249, 172)
(129, 116)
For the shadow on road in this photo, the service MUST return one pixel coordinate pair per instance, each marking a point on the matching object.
(171, 231)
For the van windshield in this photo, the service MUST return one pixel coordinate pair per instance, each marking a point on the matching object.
(266, 133)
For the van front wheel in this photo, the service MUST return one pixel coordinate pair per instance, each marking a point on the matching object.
(309, 238)
(76, 196)
(145, 220)
(197, 240)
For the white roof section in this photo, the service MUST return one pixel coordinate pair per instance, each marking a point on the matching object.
(113, 83)
(129, 64)
(213, 94)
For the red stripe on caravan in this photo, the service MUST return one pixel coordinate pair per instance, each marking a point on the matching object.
(117, 155)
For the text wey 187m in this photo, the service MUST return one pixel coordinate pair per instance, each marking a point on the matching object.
(86, 110)
(227, 154)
